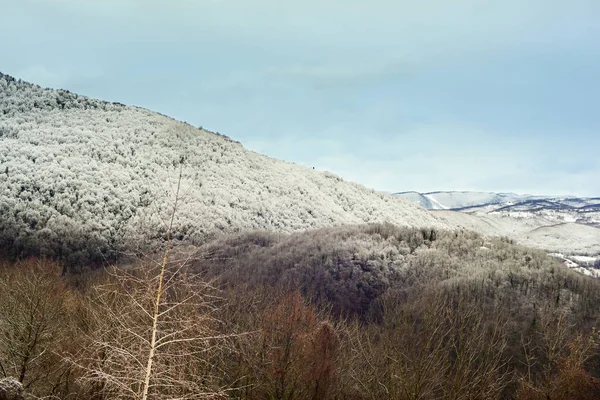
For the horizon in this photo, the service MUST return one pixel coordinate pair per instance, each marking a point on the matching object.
(490, 98)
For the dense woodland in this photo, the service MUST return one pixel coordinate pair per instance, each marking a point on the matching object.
(355, 312)
(82, 180)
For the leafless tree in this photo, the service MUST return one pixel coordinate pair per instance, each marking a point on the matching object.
(33, 325)
(154, 334)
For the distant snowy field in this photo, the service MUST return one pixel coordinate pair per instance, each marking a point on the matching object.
(459, 200)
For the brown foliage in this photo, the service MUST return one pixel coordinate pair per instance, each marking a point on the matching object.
(35, 325)
(293, 354)
(569, 380)
(113, 364)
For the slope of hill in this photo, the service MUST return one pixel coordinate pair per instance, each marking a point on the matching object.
(558, 209)
(82, 179)
(348, 267)
(560, 224)
(534, 231)
(459, 200)
(582, 211)
(423, 200)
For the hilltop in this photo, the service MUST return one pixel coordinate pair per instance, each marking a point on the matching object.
(83, 179)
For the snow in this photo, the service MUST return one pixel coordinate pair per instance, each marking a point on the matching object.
(107, 171)
(585, 259)
(531, 230)
(569, 263)
(552, 223)
(453, 200)
(436, 204)
(422, 200)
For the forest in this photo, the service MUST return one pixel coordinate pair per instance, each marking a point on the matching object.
(370, 311)
(271, 280)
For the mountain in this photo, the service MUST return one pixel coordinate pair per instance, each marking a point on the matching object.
(83, 179)
(347, 267)
(424, 200)
(569, 225)
(86, 180)
(558, 209)
(534, 231)
(460, 200)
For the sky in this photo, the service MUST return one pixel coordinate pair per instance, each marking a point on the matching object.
(486, 95)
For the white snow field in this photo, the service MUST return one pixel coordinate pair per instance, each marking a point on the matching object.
(561, 224)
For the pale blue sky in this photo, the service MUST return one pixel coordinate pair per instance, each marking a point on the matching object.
(397, 95)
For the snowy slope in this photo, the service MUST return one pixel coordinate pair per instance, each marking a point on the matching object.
(533, 231)
(583, 264)
(562, 224)
(556, 209)
(422, 200)
(74, 168)
(465, 199)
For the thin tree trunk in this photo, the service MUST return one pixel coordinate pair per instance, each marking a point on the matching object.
(159, 291)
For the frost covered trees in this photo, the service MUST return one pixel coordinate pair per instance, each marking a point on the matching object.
(85, 180)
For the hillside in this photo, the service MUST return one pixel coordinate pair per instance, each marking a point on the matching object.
(560, 224)
(349, 267)
(460, 200)
(584, 211)
(83, 179)
(423, 200)
(361, 311)
(533, 231)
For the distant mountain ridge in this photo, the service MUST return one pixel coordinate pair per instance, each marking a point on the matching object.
(559, 209)
(456, 200)
(563, 224)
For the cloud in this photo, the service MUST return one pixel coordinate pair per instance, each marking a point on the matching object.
(441, 157)
(423, 26)
(343, 75)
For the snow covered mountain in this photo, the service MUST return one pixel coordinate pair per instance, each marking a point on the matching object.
(568, 226)
(76, 170)
(554, 209)
(460, 200)
(424, 200)
(82, 179)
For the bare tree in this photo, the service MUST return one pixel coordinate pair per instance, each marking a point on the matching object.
(559, 359)
(476, 346)
(442, 347)
(154, 335)
(33, 325)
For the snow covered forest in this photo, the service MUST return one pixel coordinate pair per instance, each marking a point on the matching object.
(82, 180)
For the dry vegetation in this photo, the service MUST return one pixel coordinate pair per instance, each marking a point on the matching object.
(358, 312)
